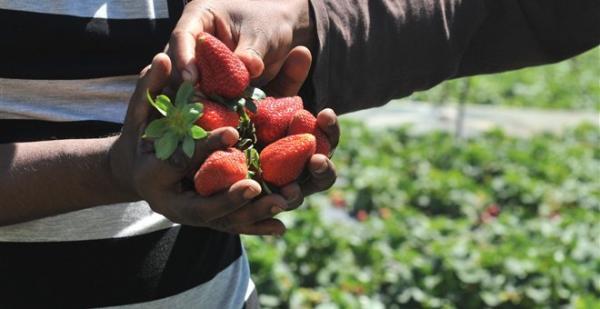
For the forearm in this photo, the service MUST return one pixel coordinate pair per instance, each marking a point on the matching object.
(371, 51)
(46, 178)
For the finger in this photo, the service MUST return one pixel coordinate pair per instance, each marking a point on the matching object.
(327, 120)
(264, 208)
(196, 210)
(252, 48)
(322, 175)
(197, 18)
(293, 73)
(152, 78)
(293, 195)
(270, 226)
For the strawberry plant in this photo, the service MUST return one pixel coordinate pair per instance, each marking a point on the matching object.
(422, 221)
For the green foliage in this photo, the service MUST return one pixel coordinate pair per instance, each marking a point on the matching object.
(178, 125)
(433, 222)
(571, 84)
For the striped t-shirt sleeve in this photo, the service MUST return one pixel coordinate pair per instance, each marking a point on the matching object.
(69, 72)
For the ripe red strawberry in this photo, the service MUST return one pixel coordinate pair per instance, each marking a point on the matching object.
(221, 169)
(283, 161)
(273, 117)
(221, 72)
(304, 122)
(216, 116)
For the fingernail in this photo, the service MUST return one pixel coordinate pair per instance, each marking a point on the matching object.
(250, 193)
(228, 137)
(331, 121)
(186, 75)
(293, 197)
(275, 210)
(322, 168)
(290, 193)
(277, 234)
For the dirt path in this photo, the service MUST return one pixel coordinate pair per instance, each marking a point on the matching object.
(424, 117)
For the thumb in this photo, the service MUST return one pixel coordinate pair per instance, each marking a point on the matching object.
(153, 78)
(251, 49)
(292, 75)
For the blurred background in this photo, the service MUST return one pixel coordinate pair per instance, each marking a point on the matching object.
(481, 192)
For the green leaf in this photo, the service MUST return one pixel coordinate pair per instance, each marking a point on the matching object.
(188, 146)
(253, 158)
(153, 103)
(198, 133)
(163, 104)
(166, 145)
(184, 94)
(193, 112)
(156, 128)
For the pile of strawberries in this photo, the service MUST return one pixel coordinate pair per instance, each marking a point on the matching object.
(277, 136)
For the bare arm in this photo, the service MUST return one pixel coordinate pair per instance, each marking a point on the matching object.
(39, 179)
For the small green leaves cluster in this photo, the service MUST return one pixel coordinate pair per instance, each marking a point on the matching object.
(178, 124)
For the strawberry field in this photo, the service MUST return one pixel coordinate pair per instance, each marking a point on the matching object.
(429, 221)
(571, 84)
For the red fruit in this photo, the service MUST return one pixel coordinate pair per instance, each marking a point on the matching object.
(362, 215)
(217, 116)
(221, 169)
(273, 116)
(304, 122)
(221, 72)
(283, 161)
(493, 210)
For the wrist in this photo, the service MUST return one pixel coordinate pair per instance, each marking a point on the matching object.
(118, 169)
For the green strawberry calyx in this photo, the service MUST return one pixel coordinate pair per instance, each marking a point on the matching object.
(254, 170)
(178, 124)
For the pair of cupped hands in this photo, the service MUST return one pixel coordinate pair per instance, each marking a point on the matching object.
(270, 37)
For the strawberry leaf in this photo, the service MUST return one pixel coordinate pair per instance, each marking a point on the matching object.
(198, 133)
(163, 104)
(166, 145)
(188, 146)
(193, 112)
(156, 128)
(161, 109)
(184, 94)
(254, 159)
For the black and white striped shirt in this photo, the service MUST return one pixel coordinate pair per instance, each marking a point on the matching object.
(67, 70)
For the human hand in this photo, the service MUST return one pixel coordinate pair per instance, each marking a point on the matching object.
(161, 183)
(322, 173)
(261, 33)
(264, 34)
